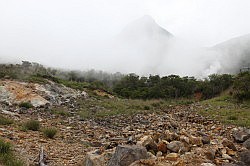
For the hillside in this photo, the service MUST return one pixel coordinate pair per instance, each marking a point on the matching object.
(94, 127)
(234, 54)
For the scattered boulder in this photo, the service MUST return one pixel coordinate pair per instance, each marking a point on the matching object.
(162, 147)
(85, 94)
(196, 140)
(175, 146)
(125, 155)
(149, 143)
(246, 144)
(172, 156)
(205, 139)
(229, 144)
(226, 156)
(210, 154)
(94, 159)
(245, 157)
(241, 136)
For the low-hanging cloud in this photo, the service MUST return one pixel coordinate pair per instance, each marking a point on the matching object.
(94, 34)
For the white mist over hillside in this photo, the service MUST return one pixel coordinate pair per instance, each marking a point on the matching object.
(146, 48)
(115, 36)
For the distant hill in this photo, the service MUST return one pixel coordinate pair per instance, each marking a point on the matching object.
(144, 28)
(143, 44)
(234, 53)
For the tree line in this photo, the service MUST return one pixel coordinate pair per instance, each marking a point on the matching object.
(172, 86)
(133, 86)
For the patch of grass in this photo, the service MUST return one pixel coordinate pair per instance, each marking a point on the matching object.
(5, 120)
(84, 114)
(60, 111)
(4, 147)
(74, 84)
(32, 125)
(146, 107)
(227, 110)
(232, 117)
(102, 107)
(7, 157)
(37, 79)
(26, 105)
(50, 132)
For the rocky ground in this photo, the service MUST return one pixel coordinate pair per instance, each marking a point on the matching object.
(176, 135)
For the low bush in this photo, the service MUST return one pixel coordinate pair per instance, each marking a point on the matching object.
(32, 125)
(26, 105)
(4, 147)
(50, 132)
(7, 157)
(5, 121)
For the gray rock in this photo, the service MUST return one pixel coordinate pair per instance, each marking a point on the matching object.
(241, 136)
(247, 144)
(94, 159)
(175, 146)
(125, 155)
(210, 154)
(245, 157)
(226, 156)
(205, 139)
(148, 142)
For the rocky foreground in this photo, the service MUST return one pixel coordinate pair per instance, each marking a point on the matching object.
(176, 135)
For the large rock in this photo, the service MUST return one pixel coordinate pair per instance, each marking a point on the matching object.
(94, 159)
(149, 143)
(205, 139)
(245, 157)
(229, 144)
(247, 144)
(210, 154)
(13, 92)
(241, 136)
(125, 155)
(162, 147)
(175, 146)
(172, 156)
(196, 140)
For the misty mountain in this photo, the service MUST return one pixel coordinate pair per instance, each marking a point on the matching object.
(151, 49)
(142, 44)
(144, 28)
(233, 54)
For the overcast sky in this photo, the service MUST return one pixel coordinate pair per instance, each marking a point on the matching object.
(43, 30)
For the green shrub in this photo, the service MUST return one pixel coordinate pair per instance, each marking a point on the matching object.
(32, 125)
(60, 112)
(10, 160)
(241, 87)
(146, 107)
(26, 105)
(37, 79)
(7, 157)
(5, 121)
(50, 132)
(4, 147)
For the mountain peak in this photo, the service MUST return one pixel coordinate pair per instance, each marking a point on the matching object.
(145, 27)
(146, 19)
